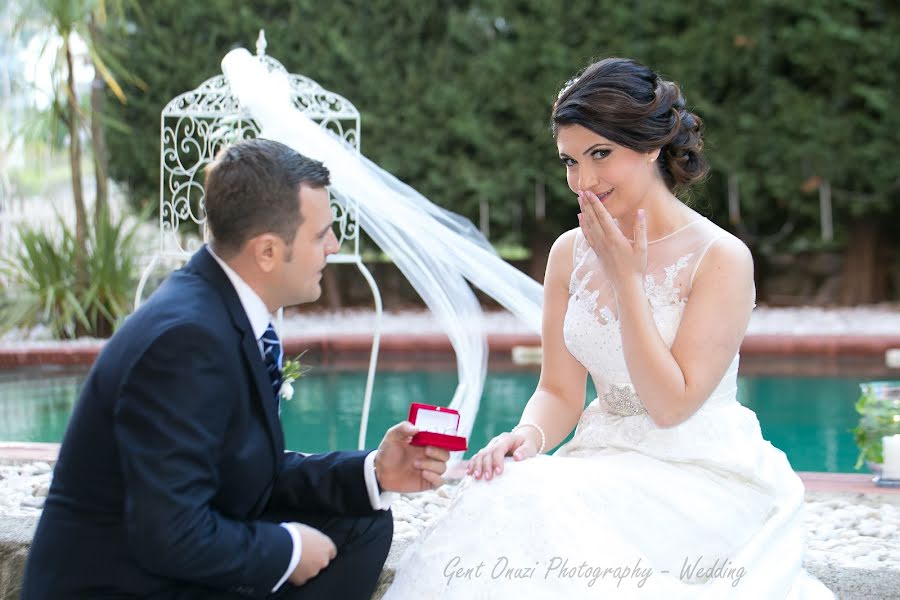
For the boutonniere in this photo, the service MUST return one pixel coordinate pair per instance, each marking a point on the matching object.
(291, 371)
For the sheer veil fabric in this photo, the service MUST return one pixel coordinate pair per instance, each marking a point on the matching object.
(438, 251)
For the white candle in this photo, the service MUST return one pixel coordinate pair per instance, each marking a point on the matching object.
(891, 465)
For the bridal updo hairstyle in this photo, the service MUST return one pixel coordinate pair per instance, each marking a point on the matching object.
(627, 103)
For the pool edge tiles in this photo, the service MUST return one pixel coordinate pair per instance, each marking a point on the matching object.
(870, 350)
(14, 453)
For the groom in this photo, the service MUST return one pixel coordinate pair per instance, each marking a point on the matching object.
(172, 480)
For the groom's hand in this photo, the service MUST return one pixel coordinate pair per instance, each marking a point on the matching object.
(402, 467)
(317, 550)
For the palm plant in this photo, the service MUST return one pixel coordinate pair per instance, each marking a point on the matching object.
(112, 265)
(67, 20)
(40, 281)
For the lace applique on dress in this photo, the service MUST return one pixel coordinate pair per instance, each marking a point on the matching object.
(667, 293)
(591, 328)
(589, 288)
(622, 400)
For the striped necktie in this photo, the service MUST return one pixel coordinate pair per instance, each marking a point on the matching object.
(272, 355)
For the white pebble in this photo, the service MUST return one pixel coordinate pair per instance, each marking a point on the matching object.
(840, 515)
(402, 527)
(842, 531)
(869, 527)
(446, 491)
(42, 467)
(34, 502)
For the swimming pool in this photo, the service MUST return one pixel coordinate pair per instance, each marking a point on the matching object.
(809, 418)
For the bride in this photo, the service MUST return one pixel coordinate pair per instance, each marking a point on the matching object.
(667, 489)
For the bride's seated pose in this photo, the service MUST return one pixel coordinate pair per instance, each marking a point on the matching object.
(667, 489)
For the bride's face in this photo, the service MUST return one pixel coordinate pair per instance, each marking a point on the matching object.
(621, 177)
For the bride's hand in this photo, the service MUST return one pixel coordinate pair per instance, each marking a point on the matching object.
(622, 259)
(488, 461)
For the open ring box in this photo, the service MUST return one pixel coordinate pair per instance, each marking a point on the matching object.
(438, 426)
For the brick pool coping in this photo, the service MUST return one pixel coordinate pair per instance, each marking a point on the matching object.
(83, 353)
(815, 482)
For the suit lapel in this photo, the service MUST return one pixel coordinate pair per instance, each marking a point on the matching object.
(206, 266)
(264, 392)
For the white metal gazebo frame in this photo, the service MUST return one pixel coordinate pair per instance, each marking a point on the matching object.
(195, 125)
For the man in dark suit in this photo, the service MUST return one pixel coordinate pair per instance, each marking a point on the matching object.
(172, 480)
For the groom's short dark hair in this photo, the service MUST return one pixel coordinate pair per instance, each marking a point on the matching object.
(252, 188)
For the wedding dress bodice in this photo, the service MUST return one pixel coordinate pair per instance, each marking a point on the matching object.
(591, 327)
(616, 418)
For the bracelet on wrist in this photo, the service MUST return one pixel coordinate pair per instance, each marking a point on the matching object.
(538, 429)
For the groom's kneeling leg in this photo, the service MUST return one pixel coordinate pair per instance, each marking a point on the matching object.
(362, 547)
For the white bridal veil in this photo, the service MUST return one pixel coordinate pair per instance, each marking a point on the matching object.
(435, 249)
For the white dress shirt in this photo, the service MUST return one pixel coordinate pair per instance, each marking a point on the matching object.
(259, 317)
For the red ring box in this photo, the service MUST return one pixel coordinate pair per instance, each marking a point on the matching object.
(436, 421)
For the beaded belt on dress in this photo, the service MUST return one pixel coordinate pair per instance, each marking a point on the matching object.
(622, 401)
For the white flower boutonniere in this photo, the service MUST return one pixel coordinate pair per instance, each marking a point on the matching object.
(291, 371)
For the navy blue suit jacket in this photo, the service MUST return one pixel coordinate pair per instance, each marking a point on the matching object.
(173, 453)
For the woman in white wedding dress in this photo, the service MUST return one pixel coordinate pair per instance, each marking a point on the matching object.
(667, 489)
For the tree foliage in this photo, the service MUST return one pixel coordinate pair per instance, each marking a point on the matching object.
(455, 96)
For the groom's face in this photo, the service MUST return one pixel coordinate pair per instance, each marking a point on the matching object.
(301, 275)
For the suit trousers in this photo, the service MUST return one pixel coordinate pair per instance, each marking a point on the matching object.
(362, 547)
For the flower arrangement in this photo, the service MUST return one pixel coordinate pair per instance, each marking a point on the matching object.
(291, 371)
(879, 415)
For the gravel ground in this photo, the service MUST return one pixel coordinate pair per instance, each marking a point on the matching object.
(23, 488)
(849, 530)
(854, 532)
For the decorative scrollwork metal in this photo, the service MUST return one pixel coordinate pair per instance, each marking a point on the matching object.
(195, 125)
(345, 223)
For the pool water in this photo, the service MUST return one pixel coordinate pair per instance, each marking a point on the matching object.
(809, 418)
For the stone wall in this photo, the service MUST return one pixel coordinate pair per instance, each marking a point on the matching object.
(15, 539)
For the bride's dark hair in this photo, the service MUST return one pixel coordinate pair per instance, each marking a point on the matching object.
(629, 104)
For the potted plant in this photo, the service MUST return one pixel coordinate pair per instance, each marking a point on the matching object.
(879, 415)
